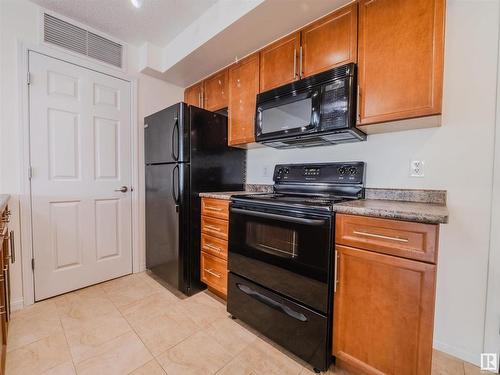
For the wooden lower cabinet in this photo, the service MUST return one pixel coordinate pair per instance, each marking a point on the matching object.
(214, 236)
(6, 239)
(383, 312)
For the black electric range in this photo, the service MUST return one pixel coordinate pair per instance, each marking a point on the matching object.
(280, 257)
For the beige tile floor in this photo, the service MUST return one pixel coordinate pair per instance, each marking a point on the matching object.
(132, 325)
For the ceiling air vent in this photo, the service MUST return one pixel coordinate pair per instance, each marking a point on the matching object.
(77, 39)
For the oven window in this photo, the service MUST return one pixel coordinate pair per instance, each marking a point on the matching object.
(287, 116)
(278, 241)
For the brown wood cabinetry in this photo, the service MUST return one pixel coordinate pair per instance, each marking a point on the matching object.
(279, 62)
(215, 91)
(384, 303)
(243, 89)
(194, 95)
(6, 252)
(331, 41)
(214, 233)
(400, 60)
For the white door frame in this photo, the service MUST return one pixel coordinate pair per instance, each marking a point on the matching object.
(24, 144)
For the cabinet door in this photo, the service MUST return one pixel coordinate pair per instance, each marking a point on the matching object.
(194, 95)
(330, 41)
(243, 89)
(278, 62)
(383, 313)
(400, 59)
(215, 92)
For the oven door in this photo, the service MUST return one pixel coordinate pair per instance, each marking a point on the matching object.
(290, 114)
(283, 250)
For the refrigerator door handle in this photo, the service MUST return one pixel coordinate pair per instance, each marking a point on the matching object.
(175, 140)
(175, 186)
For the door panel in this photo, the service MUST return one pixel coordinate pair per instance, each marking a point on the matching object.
(215, 91)
(194, 95)
(80, 154)
(408, 35)
(384, 311)
(330, 41)
(279, 62)
(243, 90)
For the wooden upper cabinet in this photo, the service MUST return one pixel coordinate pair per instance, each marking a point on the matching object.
(384, 313)
(400, 59)
(331, 41)
(215, 91)
(193, 95)
(279, 62)
(243, 89)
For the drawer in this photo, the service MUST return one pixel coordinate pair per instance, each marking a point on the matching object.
(218, 208)
(214, 246)
(215, 227)
(214, 272)
(400, 238)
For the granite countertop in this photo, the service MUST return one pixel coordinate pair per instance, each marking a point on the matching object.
(429, 213)
(423, 206)
(4, 198)
(226, 195)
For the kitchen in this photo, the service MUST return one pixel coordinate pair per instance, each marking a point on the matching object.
(465, 313)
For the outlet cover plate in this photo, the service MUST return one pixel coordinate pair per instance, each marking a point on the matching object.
(417, 168)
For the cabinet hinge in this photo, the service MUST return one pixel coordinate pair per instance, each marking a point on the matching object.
(28, 78)
(30, 172)
(33, 264)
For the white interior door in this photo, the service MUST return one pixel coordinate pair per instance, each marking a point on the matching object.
(80, 156)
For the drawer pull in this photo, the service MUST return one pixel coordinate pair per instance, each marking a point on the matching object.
(405, 240)
(211, 227)
(212, 273)
(218, 249)
(211, 208)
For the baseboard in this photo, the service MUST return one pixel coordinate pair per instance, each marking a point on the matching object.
(466, 356)
(17, 304)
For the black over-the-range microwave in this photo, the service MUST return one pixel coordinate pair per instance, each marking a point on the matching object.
(314, 111)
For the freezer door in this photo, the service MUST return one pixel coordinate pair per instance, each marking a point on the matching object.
(163, 222)
(166, 135)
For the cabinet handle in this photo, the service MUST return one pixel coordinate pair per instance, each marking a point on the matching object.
(12, 247)
(300, 63)
(212, 273)
(212, 208)
(373, 235)
(215, 248)
(358, 105)
(295, 75)
(336, 280)
(211, 227)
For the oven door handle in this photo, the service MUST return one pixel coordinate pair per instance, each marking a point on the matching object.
(290, 219)
(271, 303)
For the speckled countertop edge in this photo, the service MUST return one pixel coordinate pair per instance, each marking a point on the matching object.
(4, 199)
(423, 206)
(429, 213)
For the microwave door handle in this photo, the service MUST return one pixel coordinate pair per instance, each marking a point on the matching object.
(290, 219)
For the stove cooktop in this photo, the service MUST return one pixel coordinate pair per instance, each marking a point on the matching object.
(298, 201)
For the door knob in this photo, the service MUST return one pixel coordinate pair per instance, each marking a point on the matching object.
(123, 189)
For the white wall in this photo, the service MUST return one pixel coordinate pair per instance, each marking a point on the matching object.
(458, 158)
(19, 22)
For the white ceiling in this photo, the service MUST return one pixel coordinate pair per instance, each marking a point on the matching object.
(157, 21)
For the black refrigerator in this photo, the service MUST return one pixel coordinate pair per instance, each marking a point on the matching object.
(186, 153)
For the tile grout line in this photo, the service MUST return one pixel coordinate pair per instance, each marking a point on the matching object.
(132, 329)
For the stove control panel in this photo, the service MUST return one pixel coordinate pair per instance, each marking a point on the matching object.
(333, 173)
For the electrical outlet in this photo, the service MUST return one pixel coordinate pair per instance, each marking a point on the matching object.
(265, 171)
(417, 168)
